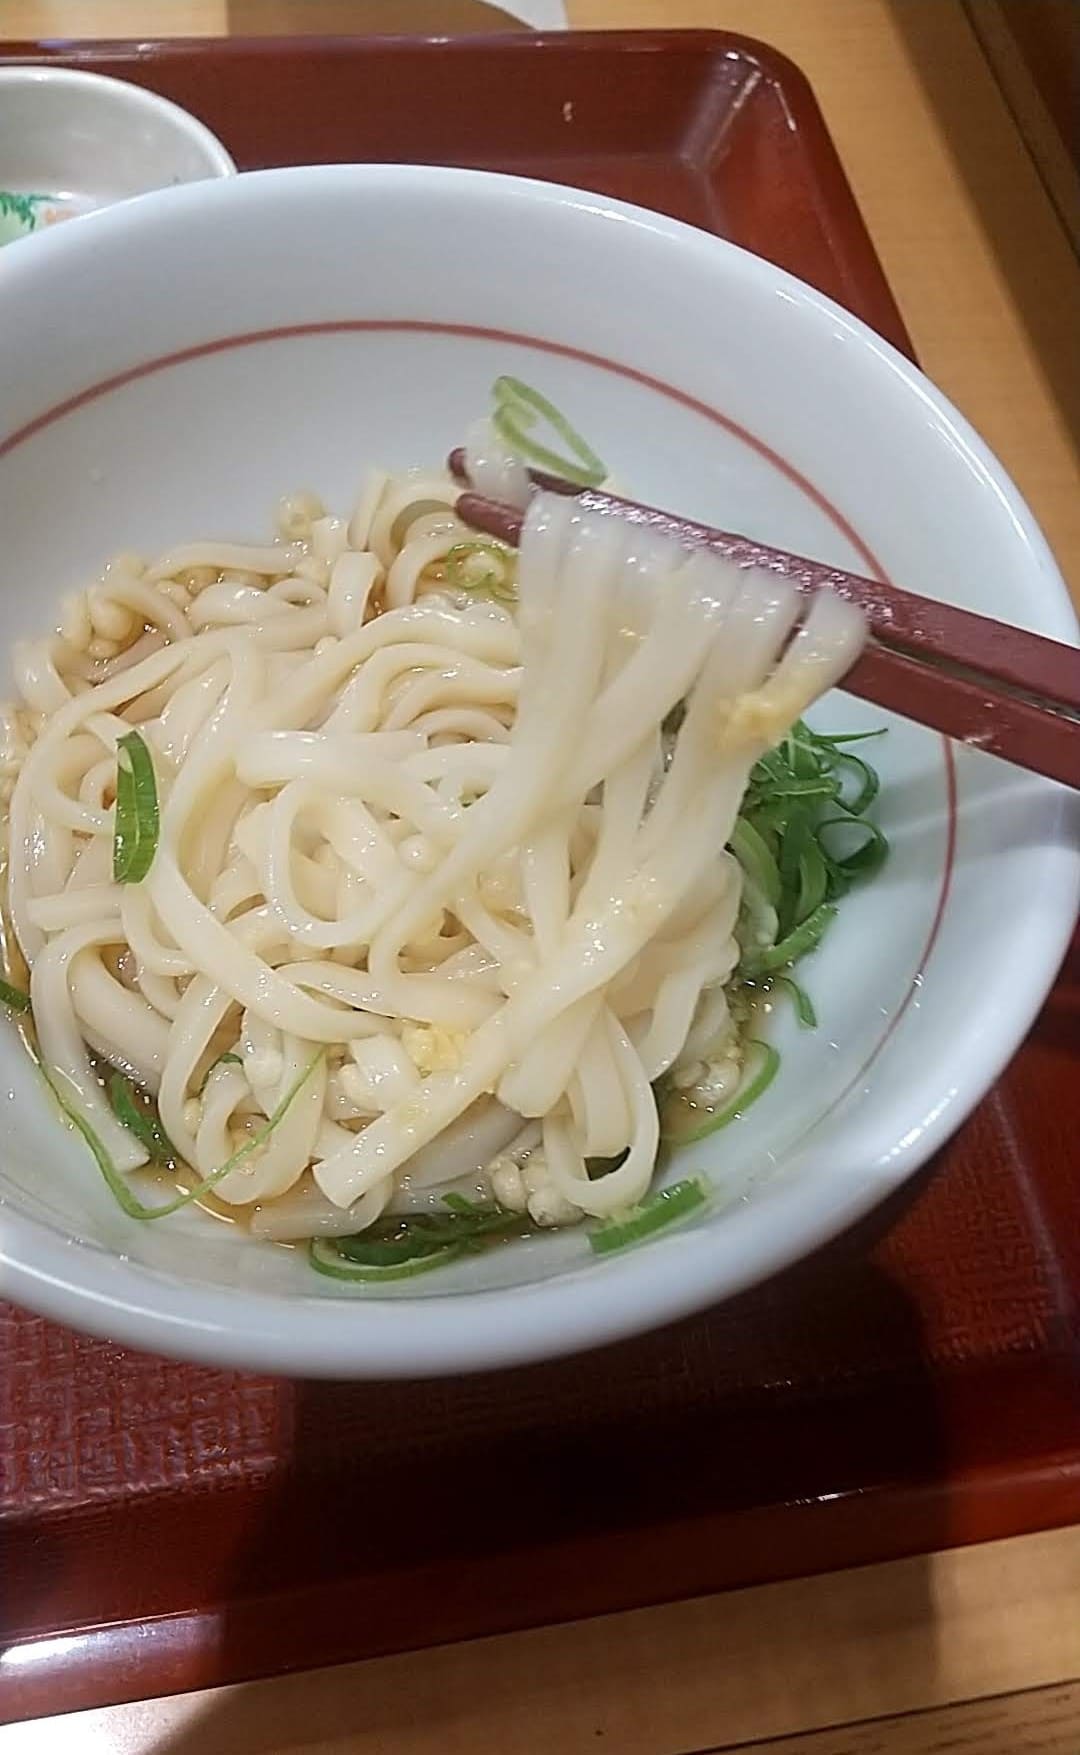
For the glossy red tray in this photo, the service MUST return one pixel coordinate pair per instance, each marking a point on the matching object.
(917, 1384)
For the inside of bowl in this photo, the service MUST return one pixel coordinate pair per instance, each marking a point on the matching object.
(88, 144)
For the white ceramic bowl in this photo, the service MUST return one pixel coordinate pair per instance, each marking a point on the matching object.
(86, 141)
(223, 344)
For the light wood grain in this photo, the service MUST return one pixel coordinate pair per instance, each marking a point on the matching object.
(1059, 169)
(39, 19)
(753, 1664)
(1043, 1721)
(976, 255)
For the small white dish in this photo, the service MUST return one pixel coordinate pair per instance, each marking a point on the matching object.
(185, 359)
(71, 142)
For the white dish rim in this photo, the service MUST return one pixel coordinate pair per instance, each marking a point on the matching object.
(150, 1310)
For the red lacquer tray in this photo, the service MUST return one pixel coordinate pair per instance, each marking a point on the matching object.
(917, 1384)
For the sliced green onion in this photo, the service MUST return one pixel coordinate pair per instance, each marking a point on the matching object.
(226, 1059)
(518, 407)
(813, 881)
(654, 1213)
(135, 833)
(804, 1005)
(866, 859)
(381, 1252)
(495, 581)
(461, 1224)
(460, 1203)
(118, 1188)
(770, 771)
(14, 997)
(21, 205)
(144, 1123)
(842, 737)
(869, 784)
(794, 836)
(682, 1122)
(396, 1248)
(326, 1257)
(770, 816)
(471, 1216)
(117, 1182)
(818, 786)
(794, 808)
(756, 860)
(805, 937)
(804, 758)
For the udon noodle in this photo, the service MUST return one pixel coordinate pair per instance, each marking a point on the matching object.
(427, 836)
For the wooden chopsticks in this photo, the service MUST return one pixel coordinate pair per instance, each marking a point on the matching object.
(995, 687)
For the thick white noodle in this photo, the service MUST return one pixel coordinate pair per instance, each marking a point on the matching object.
(434, 842)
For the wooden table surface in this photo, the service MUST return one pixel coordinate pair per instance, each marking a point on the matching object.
(974, 1650)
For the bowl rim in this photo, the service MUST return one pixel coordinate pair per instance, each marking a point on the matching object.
(124, 94)
(462, 1331)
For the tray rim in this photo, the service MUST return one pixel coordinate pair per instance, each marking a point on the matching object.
(879, 309)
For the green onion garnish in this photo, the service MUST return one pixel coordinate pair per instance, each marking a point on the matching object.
(682, 1121)
(117, 1182)
(518, 407)
(327, 1256)
(461, 1204)
(226, 1059)
(813, 885)
(804, 938)
(804, 1008)
(869, 784)
(753, 855)
(140, 1118)
(380, 1252)
(863, 861)
(14, 997)
(459, 1221)
(842, 737)
(495, 580)
(787, 838)
(135, 834)
(656, 1212)
(395, 1249)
